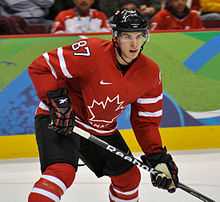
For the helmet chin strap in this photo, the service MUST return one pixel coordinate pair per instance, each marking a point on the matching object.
(120, 55)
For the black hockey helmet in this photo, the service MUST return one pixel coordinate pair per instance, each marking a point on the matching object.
(128, 21)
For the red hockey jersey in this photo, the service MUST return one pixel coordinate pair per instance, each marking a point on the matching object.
(164, 20)
(99, 91)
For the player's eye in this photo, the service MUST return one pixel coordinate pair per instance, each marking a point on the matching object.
(125, 37)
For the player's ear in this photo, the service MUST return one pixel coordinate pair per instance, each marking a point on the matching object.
(115, 41)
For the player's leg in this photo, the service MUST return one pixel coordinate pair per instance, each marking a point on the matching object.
(125, 177)
(124, 187)
(58, 158)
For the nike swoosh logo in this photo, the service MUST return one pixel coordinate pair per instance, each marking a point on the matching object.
(104, 83)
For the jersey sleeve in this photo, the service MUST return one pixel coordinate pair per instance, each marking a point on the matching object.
(158, 21)
(146, 114)
(105, 23)
(51, 70)
(197, 21)
(58, 24)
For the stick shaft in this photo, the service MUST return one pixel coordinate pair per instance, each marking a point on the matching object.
(134, 161)
(195, 193)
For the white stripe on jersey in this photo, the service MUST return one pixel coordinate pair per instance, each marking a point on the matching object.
(46, 57)
(46, 193)
(127, 192)
(150, 114)
(56, 181)
(149, 100)
(43, 106)
(63, 63)
(116, 199)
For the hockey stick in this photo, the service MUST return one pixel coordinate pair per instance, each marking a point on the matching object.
(195, 193)
(134, 161)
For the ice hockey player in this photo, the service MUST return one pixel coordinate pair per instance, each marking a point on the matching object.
(88, 84)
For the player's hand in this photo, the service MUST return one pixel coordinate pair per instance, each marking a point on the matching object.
(167, 177)
(61, 114)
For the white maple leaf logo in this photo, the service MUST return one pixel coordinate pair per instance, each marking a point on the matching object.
(106, 111)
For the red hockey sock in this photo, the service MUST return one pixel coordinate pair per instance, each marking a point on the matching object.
(125, 187)
(53, 183)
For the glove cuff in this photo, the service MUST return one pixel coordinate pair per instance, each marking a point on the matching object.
(155, 158)
(61, 92)
(59, 100)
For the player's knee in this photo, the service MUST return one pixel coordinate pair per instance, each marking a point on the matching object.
(53, 183)
(127, 180)
(63, 171)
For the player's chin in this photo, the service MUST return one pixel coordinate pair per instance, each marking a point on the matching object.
(132, 56)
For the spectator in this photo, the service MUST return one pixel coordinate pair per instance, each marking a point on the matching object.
(210, 10)
(81, 18)
(176, 15)
(33, 11)
(109, 7)
(128, 4)
(149, 8)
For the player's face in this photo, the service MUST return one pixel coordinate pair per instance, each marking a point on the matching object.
(130, 44)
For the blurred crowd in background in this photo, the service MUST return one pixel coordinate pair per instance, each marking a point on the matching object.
(86, 16)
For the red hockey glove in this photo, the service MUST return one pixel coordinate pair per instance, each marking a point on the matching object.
(62, 117)
(167, 177)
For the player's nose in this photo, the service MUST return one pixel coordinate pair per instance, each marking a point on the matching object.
(134, 43)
